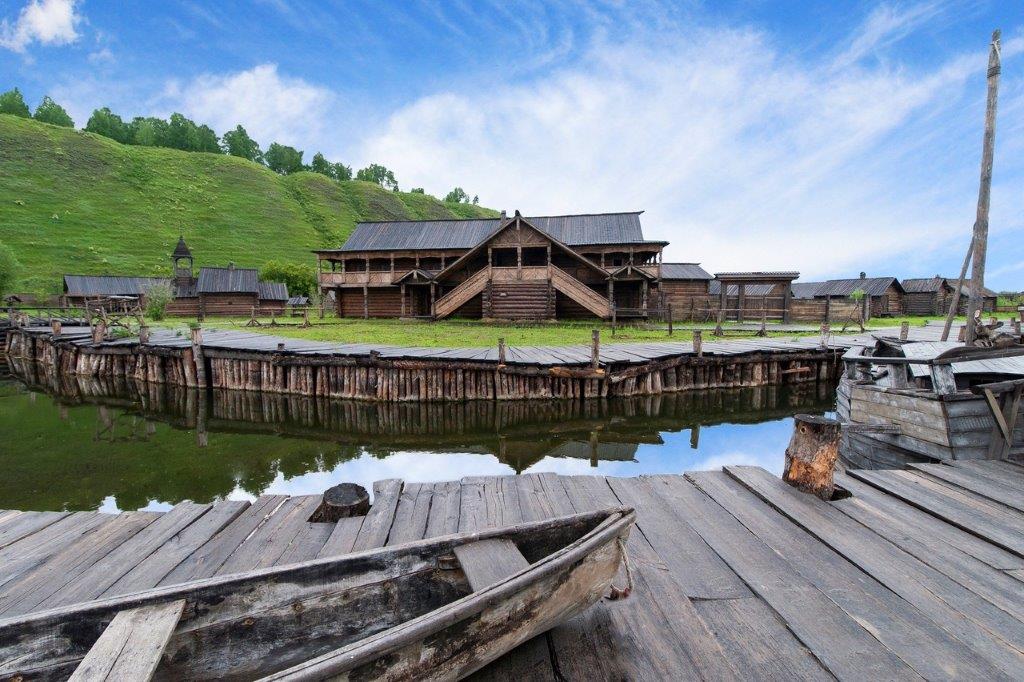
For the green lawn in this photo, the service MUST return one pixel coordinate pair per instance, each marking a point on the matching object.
(476, 333)
(75, 202)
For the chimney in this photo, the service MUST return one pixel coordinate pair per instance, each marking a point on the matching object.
(863, 275)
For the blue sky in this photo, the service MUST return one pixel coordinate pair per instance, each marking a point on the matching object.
(828, 137)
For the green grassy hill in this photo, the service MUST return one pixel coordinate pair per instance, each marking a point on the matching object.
(71, 201)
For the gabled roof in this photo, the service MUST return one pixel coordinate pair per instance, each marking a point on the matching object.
(840, 288)
(417, 273)
(228, 280)
(715, 288)
(572, 230)
(109, 285)
(273, 291)
(181, 250)
(626, 270)
(684, 271)
(985, 291)
(924, 285)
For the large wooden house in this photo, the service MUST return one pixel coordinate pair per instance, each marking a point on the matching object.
(512, 267)
(213, 291)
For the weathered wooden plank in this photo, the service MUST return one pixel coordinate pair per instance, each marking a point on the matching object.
(445, 505)
(343, 537)
(991, 632)
(155, 567)
(412, 513)
(25, 524)
(32, 550)
(985, 521)
(267, 543)
(931, 651)
(377, 524)
(207, 560)
(31, 589)
(490, 561)
(132, 645)
(809, 613)
(1008, 495)
(307, 543)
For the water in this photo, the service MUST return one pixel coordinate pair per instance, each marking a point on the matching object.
(82, 445)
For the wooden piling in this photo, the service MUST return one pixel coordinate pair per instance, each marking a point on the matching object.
(812, 454)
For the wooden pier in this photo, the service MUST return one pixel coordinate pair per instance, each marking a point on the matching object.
(916, 574)
(241, 360)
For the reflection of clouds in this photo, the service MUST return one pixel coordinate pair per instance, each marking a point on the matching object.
(766, 460)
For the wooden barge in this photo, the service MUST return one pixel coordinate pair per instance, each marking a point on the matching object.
(246, 361)
(738, 576)
(942, 401)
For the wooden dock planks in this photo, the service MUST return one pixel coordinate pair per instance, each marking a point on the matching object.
(736, 575)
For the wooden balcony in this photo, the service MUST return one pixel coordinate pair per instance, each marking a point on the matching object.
(359, 279)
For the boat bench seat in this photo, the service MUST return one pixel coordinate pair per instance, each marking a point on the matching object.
(132, 645)
(489, 561)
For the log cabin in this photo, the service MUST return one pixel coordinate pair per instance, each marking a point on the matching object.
(834, 299)
(511, 267)
(214, 291)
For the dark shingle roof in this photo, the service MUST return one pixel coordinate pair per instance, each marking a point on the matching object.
(109, 285)
(573, 230)
(923, 285)
(715, 288)
(273, 291)
(985, 291)
(684, 271)
(228, 281)
(838, 288)
(181, 250)
(298, 300)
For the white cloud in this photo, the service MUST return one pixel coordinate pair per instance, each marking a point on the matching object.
(48, 22)
(742, 156)
(101, 56)
(272, 107)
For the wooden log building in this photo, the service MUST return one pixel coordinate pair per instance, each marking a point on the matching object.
(214, 291)
(547, 267)
(833, 299)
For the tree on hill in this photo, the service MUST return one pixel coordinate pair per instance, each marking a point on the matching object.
(341, 171)
(148, 131)
(476, 200)
(238, 143)
(301, 279)
(108, 124)
(457, 196)
(8, 268)
(283, 159)
(417, 190)
(49, 111)
(183, 133)
(378, 174)
(11, 102)
(321, 165)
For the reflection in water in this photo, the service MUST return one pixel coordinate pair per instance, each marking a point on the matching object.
(128, 445)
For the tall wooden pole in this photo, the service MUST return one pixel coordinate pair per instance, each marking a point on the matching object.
(955, 305)
(985, 191)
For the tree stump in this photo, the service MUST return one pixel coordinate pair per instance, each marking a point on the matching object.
(342, 501)
(812, 454)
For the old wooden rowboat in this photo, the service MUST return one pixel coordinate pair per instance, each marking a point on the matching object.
(433, 609)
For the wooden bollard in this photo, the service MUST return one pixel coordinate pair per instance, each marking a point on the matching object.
(501, 351)
(718, 323)
(825, 331)
(55, 327)
(904, 330)
(280, 346)
(144, 334)
(343, 501)
(198, 357)
(99, 332)
(812, 454)
(595, 348)
(962, 334)
(698, 343)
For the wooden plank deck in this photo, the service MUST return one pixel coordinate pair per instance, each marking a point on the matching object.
(918, 574)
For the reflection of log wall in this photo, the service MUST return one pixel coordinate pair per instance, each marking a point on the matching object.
(378, 379)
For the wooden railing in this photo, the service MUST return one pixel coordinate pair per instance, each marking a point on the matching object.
(581, 293)
(460, 295)
(373, 278)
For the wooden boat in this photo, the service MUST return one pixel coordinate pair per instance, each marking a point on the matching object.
(433, 609)
(931, 402)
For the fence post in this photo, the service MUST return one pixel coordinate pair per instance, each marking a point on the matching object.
(698, 343)
(501, 350)
(718, 323)
(825, 330)
(670, 319)
(595, 348)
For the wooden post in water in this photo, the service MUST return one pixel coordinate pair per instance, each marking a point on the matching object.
(501, 351)
(812, 454)
(698, 343)
(974, 303)
(55, 327)
(99, 331)
(197, 356)
(904, 330)
(825, 331)
(343, 501)
(144, 332)
(595, 348)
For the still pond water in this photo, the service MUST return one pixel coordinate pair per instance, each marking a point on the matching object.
(116, 446)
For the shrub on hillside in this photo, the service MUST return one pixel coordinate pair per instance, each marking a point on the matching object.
(50, 112)
(380, 175)
(157, 298)
(300, 279)
(11, 102)
(283, 159)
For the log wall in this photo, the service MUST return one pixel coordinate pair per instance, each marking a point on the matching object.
(374, 378)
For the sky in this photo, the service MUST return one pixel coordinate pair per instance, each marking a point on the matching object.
(830, 138)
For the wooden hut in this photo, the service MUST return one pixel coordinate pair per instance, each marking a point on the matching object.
(684, 288)
(835, 298)
(927, 295)
(754, 295)
(81, 289)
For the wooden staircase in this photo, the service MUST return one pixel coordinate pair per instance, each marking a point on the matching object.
(460, 295)
(581, 293)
